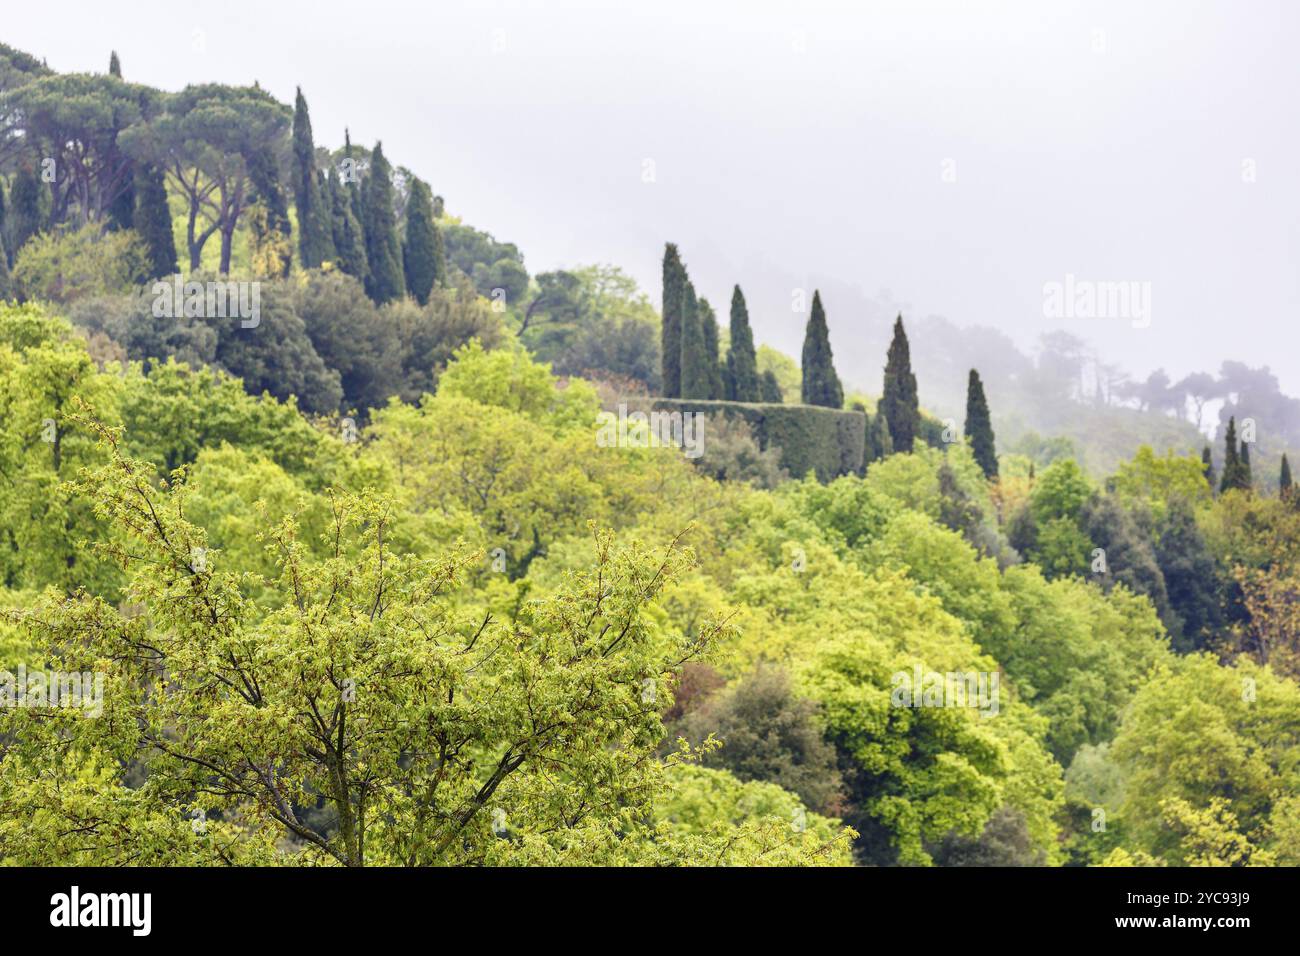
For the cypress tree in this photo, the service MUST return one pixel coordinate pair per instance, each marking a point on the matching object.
(1284, 479)
(674, 278)
(25, 208)
(379, 225)
(1243, 463)
(821, 386)
(153, 222)
(1231, 463)
(695, 366)
(419, 251)
(899, 402)
(114, 65)
(742, 361)
(769, 389)
(979, 427)
(1207, 465)
(713, 363)
(349, 244)
(315, 235)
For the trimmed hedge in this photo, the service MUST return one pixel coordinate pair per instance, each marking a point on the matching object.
(826, 441)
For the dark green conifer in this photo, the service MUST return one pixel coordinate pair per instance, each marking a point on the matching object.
(899, 402)
(1234, 475)
(349, 243)
(1284, 479)
(821, 386)
(695, 366)
(742, 362)
(979, 427)
(24, 208)
(674, 278)
(420, 250)
(385, 281)
(153, 222)
(712, 360)
(1207, 463)
(315, 233)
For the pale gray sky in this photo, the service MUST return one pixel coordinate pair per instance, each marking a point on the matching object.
(807, 142)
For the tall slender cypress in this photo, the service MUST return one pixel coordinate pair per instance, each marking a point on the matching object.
(1207, 464)
(979, 427)
(742, 362)
(1284, 479)
(1243, 463)
(114, 65)
(379, 224)
(674, 278)
(153, 222)
(419, 251)
(349, 243)
(712, 361)
(821, 386)
(1232, 471)
(899, 403)
(695, 365)
(315, 235)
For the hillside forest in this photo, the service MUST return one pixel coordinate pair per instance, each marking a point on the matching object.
(331, 535)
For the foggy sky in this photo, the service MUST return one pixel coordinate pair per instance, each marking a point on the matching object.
(949, 157)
